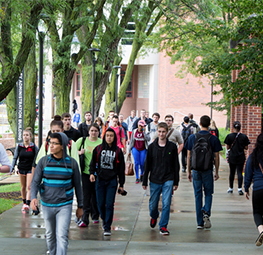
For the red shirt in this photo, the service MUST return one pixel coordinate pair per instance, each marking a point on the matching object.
(119, 136)
(139, 142)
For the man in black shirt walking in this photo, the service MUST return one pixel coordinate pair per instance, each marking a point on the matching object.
(71, 132)
(84, 126)
(163, 165)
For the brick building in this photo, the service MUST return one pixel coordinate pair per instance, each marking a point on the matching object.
(250, 117)
(155, 87)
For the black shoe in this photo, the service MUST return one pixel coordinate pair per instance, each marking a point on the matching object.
(153, 222)
(183, 170)
(107, 232)
(164, 231)
(141, 178)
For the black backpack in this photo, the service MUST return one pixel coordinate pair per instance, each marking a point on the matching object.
(186, 132)
(202, 154)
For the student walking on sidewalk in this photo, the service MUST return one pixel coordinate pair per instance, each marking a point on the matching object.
(236, 142)
(138, 146)
(203, 148)
(108, 164)
(86, 147)
(254, 172)
(26, 153)
(163, 166)
(56, 175)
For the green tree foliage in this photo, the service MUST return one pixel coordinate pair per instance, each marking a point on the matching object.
(16, 17)
(198, 33)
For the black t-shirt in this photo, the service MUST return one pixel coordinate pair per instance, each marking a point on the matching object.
(26, 157)
(73, 134)
(83, 129)
(237, 155)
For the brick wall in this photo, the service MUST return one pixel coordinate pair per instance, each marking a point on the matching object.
(249, 117)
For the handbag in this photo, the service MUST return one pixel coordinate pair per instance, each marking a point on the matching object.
(82, 156)
(228, 151)
(129, 167)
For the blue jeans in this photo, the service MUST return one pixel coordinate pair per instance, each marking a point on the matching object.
(57, 221)
(203, 180)
(106, 191)
(139, 158)
(155, 192)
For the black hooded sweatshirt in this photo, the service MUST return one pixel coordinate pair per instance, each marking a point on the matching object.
(108, 162)
(161, 163)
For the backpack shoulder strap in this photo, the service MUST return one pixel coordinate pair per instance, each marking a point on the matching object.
(170, 132)
(99, 148)
(69, 146)
(46, 147)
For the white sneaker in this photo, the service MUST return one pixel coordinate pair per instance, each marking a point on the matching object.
(206, 219)
(230, 190)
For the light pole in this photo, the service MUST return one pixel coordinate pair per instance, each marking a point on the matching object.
(94, 62)
(116, 88)
(212, 85)
(41, 36)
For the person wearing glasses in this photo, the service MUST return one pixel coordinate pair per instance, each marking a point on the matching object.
(173, 134)
(56, 178)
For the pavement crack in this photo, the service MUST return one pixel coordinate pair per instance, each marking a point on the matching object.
(134, 225)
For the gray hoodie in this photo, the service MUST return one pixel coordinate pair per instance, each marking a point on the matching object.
(57, 178)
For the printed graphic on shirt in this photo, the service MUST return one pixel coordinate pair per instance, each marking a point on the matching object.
(107, 159)
(139, 136)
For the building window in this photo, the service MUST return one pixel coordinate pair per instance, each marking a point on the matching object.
(77, 83)
(143, 81)
(130, 85)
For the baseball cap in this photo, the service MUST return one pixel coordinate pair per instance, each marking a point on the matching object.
(141, 123)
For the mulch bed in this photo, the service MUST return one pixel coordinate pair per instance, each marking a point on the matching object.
(15, 195)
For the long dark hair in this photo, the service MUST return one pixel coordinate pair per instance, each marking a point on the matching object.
(257, 154)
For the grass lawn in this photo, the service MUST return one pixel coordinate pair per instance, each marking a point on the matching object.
(6, 202)
(10, 187)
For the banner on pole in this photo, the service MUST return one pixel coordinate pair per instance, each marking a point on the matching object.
(20, 107)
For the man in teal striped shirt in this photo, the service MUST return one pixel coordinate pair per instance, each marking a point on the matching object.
(57, 175)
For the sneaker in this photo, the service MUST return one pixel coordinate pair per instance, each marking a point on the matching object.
(96, 221)
(240, 192)
(137, 181)
(25, 208)
(164, 231)
(200, 227)
(141, 178)
(80, 223)
(230, 190)
(153, 222)
(183, 170)
(107, 232)
(259, 240)
(206, 219)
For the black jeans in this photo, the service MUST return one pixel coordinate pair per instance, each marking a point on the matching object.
(89, 199)
(257, 198)
(233, 168)
(184, 158)
(106, 192)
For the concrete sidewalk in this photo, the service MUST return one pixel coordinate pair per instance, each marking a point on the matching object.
(233, 230)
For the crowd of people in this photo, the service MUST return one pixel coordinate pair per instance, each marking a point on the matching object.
(90, 160)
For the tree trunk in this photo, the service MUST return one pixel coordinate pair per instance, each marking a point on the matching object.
(11, 110)
(62, 88)
(30, 86)
(86, 94)
(30, 90)
(122, 93)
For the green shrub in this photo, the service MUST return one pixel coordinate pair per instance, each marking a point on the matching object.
(222, 134)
